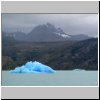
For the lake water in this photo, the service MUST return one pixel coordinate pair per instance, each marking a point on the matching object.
(60, 78)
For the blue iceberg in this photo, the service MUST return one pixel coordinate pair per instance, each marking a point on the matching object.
(33, 67)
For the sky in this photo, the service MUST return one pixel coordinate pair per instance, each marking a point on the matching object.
(71, 24)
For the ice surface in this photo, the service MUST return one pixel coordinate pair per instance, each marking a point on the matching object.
(33, 67)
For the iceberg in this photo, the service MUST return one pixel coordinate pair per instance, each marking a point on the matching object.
(79, 70)
(33, 67)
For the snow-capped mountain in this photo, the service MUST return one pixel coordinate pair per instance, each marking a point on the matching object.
(47, 33)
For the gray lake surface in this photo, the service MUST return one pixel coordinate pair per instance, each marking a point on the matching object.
(60, 78)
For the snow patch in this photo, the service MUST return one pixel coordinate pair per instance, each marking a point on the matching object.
(63, 35)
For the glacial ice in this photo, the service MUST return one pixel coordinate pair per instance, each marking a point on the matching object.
(33, 67)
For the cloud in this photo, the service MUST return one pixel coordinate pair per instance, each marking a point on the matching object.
(70, 23)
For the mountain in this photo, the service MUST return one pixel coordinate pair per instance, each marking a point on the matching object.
(81, 55)
(19, 36)
(47, 33)
(65, 55)
(8, 39)
(79, 37)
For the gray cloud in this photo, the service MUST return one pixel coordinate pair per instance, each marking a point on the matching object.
(71, 23)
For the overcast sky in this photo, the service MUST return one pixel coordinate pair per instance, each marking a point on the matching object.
(70, 23)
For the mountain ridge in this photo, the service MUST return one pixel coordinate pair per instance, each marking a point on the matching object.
(66, 55)
(46, 33)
